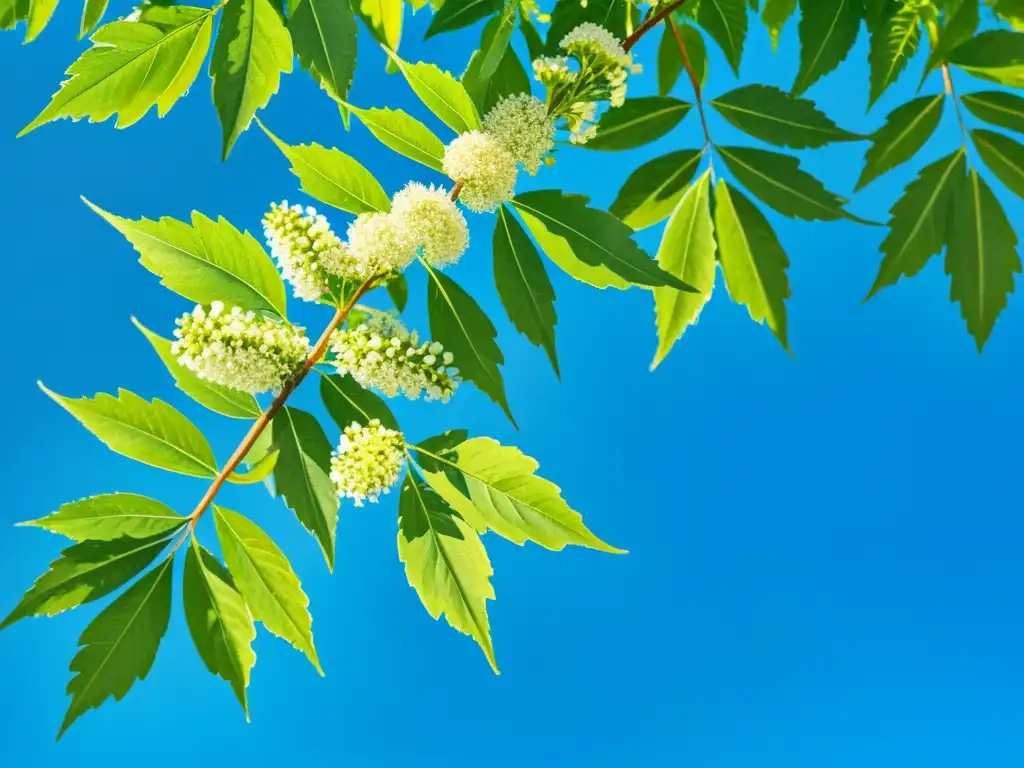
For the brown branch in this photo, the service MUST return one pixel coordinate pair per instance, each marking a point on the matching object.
(698, 93)
(649, 22)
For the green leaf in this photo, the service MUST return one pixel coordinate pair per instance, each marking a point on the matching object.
(332, 177)
(91, 15)
(324, 36)
(828, 30)
(508, 79)
(347, 402)
(132, 66)
(205, 262)
(651, 192)
(404, 134)
(687, 251)
(726, 22)
(120, 644)
(569, 14)
(258, 472)
(218, 620)
(917, 222)
(456, 14)
(637, 122)
(1004, 157)
(439, 454)
(981, 257)
(670, 57)
(222, 400)
(775, 15)
(14, 11)
(441, 93)
(534, 43)
(894, 41)
(445, 562)
(85, 572)
(774, 116)
(996, 107)
(384, 18)
(303, 475)
(253, 48)
(38, 16)
(597, 238)
(906, 130)
(959, 28)
(753, 262)
(398, 290)
(264, 577)
(457, 321)
(1010, 11)
(511, 499)
(523, 284)
(494, 44)
(109, 516)
(777, 180)
(153, 433)
(996, 55)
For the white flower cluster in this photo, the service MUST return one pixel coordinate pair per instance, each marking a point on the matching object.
(485, 169)
(381, 354)
(590, 42)
(433, 221)
(552, 70)
(367, 462)
(521, 125)
(381, 242)
(238, 349)
(307, 250)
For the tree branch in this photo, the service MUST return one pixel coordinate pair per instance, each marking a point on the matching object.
(649, 22)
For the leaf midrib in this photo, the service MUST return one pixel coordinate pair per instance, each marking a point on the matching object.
(834, 131)
(779, 185)
(824, 42)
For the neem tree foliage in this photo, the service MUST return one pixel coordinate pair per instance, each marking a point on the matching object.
(238, 343)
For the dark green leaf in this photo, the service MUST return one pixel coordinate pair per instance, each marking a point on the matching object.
(775, 15)
(637, 122)
(569, 14)
(996, 55)
(894, 41)
(439, 451)
(534, 43)
(12, 12)
(670, 56)
(494, 44)
(726, 22)
(651, 192)
(347, 402)
(324, 35)
(110, 516)
(1004, 157)
(959, 28)
(456, 14)
(509, 79)
(1010, 11)
(91, 15)
(404, 134)
(398, 290)
(828, 30)
(997, 107)
(906, 130)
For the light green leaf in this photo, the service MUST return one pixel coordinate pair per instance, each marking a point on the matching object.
(651, 192)
(445, 562)
(324, 35)
(91, 15)
(333, 177)
(523, 284)
(85, 572)
(265, 579)
(753, 262)
(687, 250)
(404, 134)
(981, 257)
(222, 400)
(347, 402)
(218, 620)
(774, 116)
(205, 262)
(637, 122)
(775, 15)
(384, 18)
(457, 321)
(828, 30)
(917, 222)
(958, 29)
(456, 14)
(1004, 157)
(120, 644)
(38, 16)
(132, 66)
(253, 48)
(109, 516)
(726, 22)
(494, 44)
(302, 475)
(906, 130)
(996, 107)
(258, 472)
(996, 55)
(894, 41)
(153, 433)
(441, 93)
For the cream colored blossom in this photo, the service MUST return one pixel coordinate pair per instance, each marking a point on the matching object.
(380, 242)
(367, 462)
(307, 250)
(433, 222)
(486, 170)
(520, 123)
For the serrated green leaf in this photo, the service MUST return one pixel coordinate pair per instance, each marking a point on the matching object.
(906, 130)
(303, 475)
(222, 400)
(774, 116)
(85, 572)
(38, 17)
(508, 79)
(266, 581)
(958, 29)
(687, 251)
(332, 177)
(441, 93)
(218, 620)
(252, 49)
(404, 134)
(637, 122)
(777, 180)
(206, 261)
(775, 15)
(445, 562)
(981, 257)
(439, 455)
(153, 433)
(651, 192)
(91, 15)
(569, 14)
(132, 66)
(828, 30)
(726, 22)
(894, 41)
(347, 402)
(597, 238)
(523, 284)
(1003, 156)
(12, 12)
(109, 516)
(384, 19)
(753, 262)
(457, 321)
(996, 107)
(670, 56)
(456, 14)
(996, 55)
(324, 36)
(494, 44)
(917, 222)
(120, 644)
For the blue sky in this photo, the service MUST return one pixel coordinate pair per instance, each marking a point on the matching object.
(824, 563)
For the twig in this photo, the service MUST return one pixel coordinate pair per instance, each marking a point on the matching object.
(698, 93)
(649, 22)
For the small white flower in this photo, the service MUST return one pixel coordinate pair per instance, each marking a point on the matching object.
(367, 462)
(589, 41)
(486, 170)
(552, 71)
(380, 242)
(307, 250)
(520, 123)
(433, 222)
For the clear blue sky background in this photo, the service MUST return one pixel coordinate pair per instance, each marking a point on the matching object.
(825, 549)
